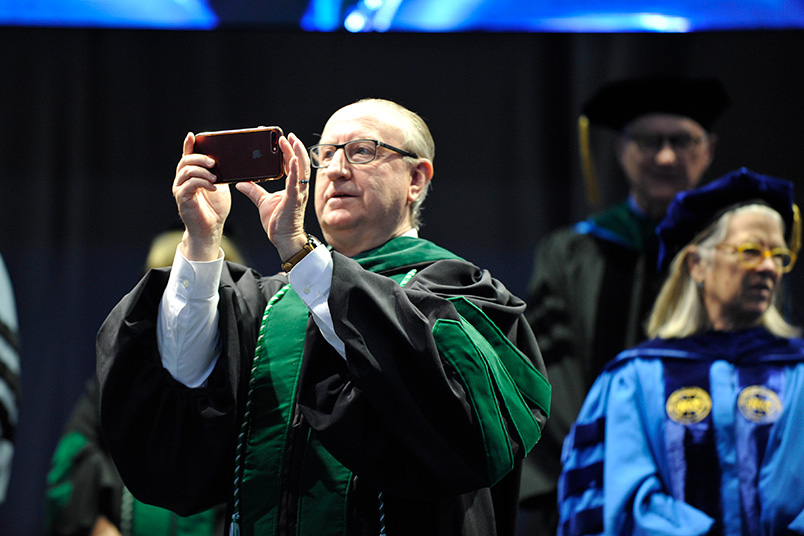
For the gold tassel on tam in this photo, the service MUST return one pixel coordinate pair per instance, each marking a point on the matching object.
(795, 232)
(587, 162)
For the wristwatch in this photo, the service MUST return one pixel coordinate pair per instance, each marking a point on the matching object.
(311, 244)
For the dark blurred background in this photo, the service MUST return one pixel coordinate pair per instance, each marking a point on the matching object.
(92, 121)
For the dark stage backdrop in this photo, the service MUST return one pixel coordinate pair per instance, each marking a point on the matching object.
(92, 122)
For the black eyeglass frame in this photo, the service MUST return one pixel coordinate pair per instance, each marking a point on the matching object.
(337, 146)
(653, 143)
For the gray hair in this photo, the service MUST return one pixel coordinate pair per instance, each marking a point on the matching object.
(679, 310)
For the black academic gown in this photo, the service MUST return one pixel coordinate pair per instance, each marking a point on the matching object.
(175, 446)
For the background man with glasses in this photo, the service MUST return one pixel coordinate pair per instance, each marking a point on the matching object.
(593, 283)
(381, 385)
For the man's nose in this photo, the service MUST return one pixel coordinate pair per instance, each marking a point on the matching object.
(666, 153)
(338, 167)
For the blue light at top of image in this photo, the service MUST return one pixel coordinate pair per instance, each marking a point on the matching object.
(184, 14)
(675, 16)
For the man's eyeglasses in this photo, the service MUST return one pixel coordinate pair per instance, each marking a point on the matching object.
(653, 143)
(752, 255)
(356, 151)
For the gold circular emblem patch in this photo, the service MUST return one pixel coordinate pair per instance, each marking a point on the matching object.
(689, 405)
(759, 404)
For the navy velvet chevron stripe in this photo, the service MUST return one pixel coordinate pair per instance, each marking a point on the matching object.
(589, 434)
(586, 522)
(577, 481)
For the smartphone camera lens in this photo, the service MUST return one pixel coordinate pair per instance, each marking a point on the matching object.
(274, 141)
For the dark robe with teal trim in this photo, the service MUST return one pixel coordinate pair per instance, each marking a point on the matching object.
(592, 287)
(694, 436)
(442, 392)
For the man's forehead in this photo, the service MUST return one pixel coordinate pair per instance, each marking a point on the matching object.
(363, 119)
(664, 123)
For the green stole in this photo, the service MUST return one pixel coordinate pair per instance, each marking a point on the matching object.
(272, 395)
(501, 381)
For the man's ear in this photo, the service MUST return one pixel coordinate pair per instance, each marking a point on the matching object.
(711, 146)
(420, 176)
(619, 148)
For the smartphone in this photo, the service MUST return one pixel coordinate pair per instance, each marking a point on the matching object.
(248, 154)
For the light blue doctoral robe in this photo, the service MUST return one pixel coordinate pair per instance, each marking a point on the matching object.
(688, 436)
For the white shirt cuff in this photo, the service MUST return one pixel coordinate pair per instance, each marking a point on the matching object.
(187, 327)
(311, 278)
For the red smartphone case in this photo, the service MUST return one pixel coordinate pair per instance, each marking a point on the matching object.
(249, 154)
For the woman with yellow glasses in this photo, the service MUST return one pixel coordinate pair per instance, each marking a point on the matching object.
(701, 429)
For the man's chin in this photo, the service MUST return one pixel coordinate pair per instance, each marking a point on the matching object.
(338, 221)
(663, 195)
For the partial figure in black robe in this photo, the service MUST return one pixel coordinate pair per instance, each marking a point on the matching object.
(86, 495)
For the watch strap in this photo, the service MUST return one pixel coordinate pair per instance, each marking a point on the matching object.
(308, 248)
